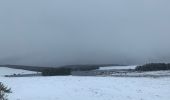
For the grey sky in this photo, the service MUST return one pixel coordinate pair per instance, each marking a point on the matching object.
(59, 32)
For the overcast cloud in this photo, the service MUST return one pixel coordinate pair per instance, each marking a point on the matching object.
(60, 32)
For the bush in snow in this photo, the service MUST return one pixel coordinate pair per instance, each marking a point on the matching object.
(3, 91)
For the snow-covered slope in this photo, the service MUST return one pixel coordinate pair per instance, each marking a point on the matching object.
(10, 71)
(117, 67)
(87, 88)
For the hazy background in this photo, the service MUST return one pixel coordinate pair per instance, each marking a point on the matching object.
(60, 32)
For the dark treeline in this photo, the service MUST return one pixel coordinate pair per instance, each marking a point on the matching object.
(153, 67)
(66, 70)
(56, 71)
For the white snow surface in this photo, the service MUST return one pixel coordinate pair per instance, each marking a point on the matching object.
(117, 67)
(166, 72)
(87, 88)
(10, 71)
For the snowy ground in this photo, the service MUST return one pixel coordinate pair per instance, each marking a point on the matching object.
(117, 67)
(87, 88)
(134, 73)
(156, 73)
(9, 71)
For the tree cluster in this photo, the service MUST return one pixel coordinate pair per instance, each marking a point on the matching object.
(56, 71)
(153, 67)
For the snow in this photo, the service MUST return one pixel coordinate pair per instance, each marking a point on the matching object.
(87, 88)
(167, 72)
(9, 71)
(142, 74)
(117, 67)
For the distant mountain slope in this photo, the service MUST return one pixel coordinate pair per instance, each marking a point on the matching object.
(73, 67)
(10, 71)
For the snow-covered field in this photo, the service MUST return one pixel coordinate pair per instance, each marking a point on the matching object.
(9, 71)
(87, 88)
(133, 73)
(117, 67)
(155, 73)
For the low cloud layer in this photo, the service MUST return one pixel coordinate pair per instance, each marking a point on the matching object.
(61, 32)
